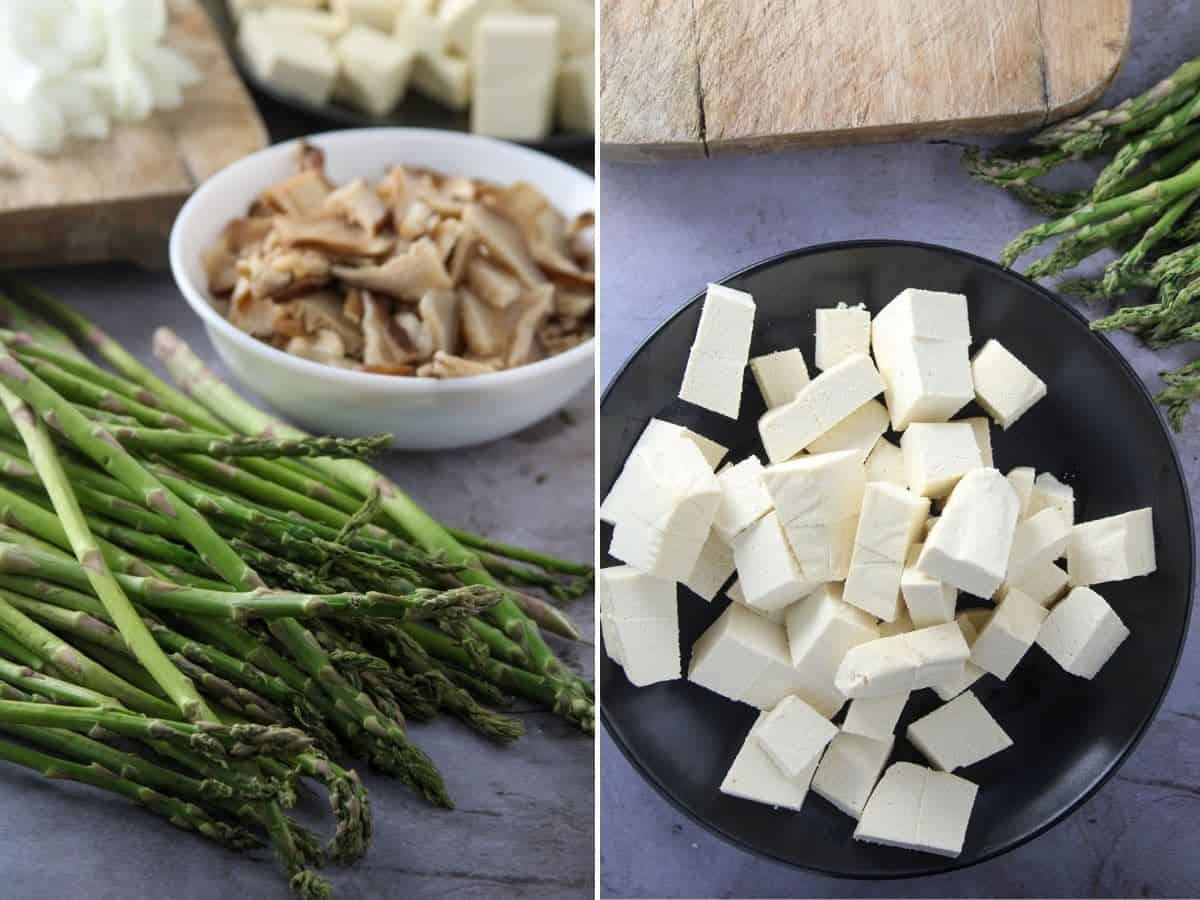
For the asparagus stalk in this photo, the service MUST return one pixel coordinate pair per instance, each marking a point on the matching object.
(1169, 130)
(1119, 270)
(1090, 238)
(171, 442)
(12, 649)
(53, 689)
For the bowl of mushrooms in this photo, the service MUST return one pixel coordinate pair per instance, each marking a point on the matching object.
(433, 284)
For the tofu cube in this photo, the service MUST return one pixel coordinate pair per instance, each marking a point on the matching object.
(817, 499)
(516, 73)
(821, 629)
(821, 404)
(626, 491)
(1004, 386)
(916, 808)
(959, 733)
(905, 662)
(322, 24)
(1044, 585)
(970, 544)
(875, 717)
(929, 601)
(664, 533)
(443, 78)
(794, 734)
(640, 621)
(982, 427)
(891, 519)
(885, 462)
(460, 20)
(1082, 632)
(780, 680)
(937, 455)
(717, 362)
(734, 651)
(418, 25)
(1050, 493)
(1008, 634)
(921, 341)
(377, 14)
(768, 572)
(753, 776)
(860, 431)
(849, 769)
(841, 333)
(780, 376)
(576, 19)
(1037, 542)
(1021, 480)
(575, 102)
(1112, 549)
(713, 568)
(951, 687)
(744, 498)
(902, 624)
(374, 70)
(296, 62)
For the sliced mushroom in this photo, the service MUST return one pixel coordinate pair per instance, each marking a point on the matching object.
(254, 315)
(492, 285)
(353, 307)
(239, 238)
(535, 308)
(310, 157)
(445, 235)
(543, 227)
(357, 203)
(323, 347)
(444, 365)
(332, 236)
(505, 243)
(464, 251)
(573, 304)
(557, 337)
(417, 335)
(325, 311)
(383, 343)
(439, 314)
(407, 276)
(485, 329)
(303, 194)
(416, 220)
(284, 274)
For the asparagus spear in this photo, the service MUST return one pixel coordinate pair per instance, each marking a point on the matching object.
(1169, 130)
(1118, 271)
(171, 442)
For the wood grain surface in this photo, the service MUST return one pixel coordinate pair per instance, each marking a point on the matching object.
(116, 198)
(704, 77)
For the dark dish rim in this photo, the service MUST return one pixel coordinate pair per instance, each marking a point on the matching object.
(955, 864)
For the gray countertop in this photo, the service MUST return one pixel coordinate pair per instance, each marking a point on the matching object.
(668, 228)
(524, 822)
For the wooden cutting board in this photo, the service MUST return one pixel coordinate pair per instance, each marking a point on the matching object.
(116, 198)
(706, 77)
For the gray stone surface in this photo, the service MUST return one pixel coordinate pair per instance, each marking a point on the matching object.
(669, 228)
(524, 823)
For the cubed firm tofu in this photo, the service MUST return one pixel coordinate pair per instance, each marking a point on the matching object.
(1008, 634)
(443, 78)
(418, 25)
(377, 14)
(822, 628)
(885, 462)
(1004, 386)
(575, 95)
(937, 455)
(1021, 480)
(713, 568)
(780, 376)
(1048, 492)
(890, 520)
(982, 426)
(860, 431)
(744, 497)
(842, 332)
(959, 733)
(373, 70)
(324, 24)
(625, 491)
(929, 601)
(717, 361)
(794, 734)
(1037, 542)
(917, 808)
(821, 404)
(849, 769)
(296, 62)
(970, 545)
(951, 687)
(905, 662)
(754, 776)
(1043, 585)
(640, 622)
(768, 572)
(515, 59)
(875, 717)
(1112, 549)
(1082, 632)
(576, 18)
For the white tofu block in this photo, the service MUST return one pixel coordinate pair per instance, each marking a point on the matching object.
(294, 61)
(780, 680)
(768, 572)
(1021, 479)
(665, 531)
(649, 650)
(612, 639)
(920, 341)
(982, 427)
(576, 19)
(323, 24)
(443, 78)
(625, 593)
(460, 19)
(418, 25)
(1050, 493)
(1082, 632)
(817, 499)
(849, 769)
(971, 673)
(713, 568)
(640, 621)
(970, 544)
(744, 497)
(1112, 549)
(842, 332)
(1008, 634)
(515, 61)
(734, 651)
(821, 404)
(714, 373)
(860, 431)
(822, 628)
(626, 491)
(378, 14)
(1037, 542)
(900, 625)
(916, 808)
(929, 601)
(937, 455)
(905, 662)
(575, 94)
(373, 70)
(793, 734)
(1004, 386)
(753, 776)
(1044, 585)
(780, 376)
(875, 717)
(885, 462)
(891, 519)
(959, 733)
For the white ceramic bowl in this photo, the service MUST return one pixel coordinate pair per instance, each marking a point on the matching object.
(421, 413)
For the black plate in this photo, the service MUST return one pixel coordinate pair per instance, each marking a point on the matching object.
(414, 111)
(1098, 427)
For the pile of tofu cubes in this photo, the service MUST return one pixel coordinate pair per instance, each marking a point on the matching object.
(854, 558)
(521, 66)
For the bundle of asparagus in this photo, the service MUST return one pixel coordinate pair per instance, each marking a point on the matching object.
(200, 605)
(1143, 203)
